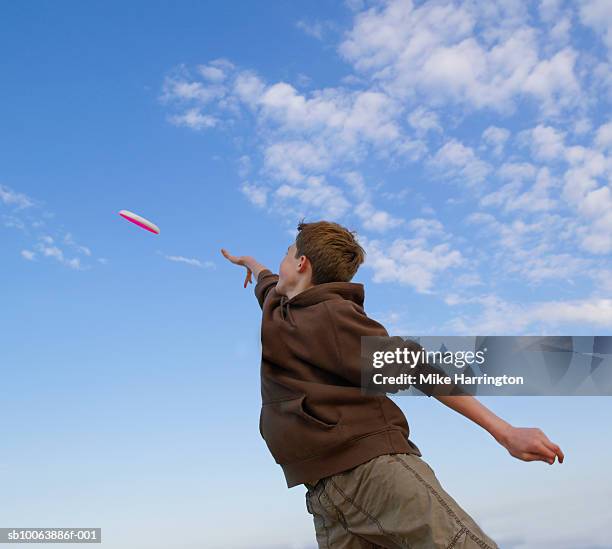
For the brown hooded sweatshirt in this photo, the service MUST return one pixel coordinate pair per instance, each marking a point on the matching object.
(315, 418)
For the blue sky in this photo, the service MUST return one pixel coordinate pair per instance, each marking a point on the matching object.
(467, 143)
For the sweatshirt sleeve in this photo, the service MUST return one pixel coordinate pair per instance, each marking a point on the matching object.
(349, 324)
(265, 282)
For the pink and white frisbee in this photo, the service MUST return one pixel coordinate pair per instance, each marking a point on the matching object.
(140, 221)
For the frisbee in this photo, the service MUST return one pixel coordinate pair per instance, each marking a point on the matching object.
(140, 221)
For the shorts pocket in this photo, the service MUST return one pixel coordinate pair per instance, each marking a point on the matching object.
(293, 433)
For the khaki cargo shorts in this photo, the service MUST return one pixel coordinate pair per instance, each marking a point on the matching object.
(392, 501)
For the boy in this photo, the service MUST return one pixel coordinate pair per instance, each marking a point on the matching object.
(367, 484)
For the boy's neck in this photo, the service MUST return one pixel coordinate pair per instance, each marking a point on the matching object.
(300, 287)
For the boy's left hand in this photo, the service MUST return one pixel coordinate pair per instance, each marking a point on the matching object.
(530, 444)
(240, 260)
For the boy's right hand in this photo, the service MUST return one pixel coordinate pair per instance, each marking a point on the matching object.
(531, 444)
(243, 260)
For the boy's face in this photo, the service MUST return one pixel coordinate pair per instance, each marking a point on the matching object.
(294, 272)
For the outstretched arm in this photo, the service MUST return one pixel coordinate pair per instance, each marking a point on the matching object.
(525, 443)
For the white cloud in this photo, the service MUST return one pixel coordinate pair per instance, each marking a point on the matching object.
(410, 262)
(425, 228)
(12, 222)
(481, 218)
(431, 52)
(500, 317)
(592, 202)
(560, 33)
(212, 73)
(549, 9)
(603, 280)
(46, 249)
(468, 280)
(292, 160)
(315, 192)
(376, 220)
(180, 87)
(248, 87)
(496, 137)
(596, 312)
(68, 239)
(350, 116)
(52, 251)
(189, 261)
(372, 218)
(257, 194)
(529, 250)
(536, 198)
(74, 263)
(553, 82)
(582, 125)
(547, 143)
(316, 29)
(517, 171)
(216, 71)
(597, 14)
(303, 80)
(13, 198)
(28, 216)
(194, 119)
(423, 121)
(603, 138)
(564, 266)
(458, 162)
(244, 165)
(27, 254)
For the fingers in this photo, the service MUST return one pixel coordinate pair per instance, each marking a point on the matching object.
(551, 446)
(542, 450)
(537, 454)
(228, 255)
(539, 445)
(554, 449)
(239, 261)
(232, 258)
(248, 280)
(531, 444)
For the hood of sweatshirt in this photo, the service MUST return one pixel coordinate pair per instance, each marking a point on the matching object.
(353, 291)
